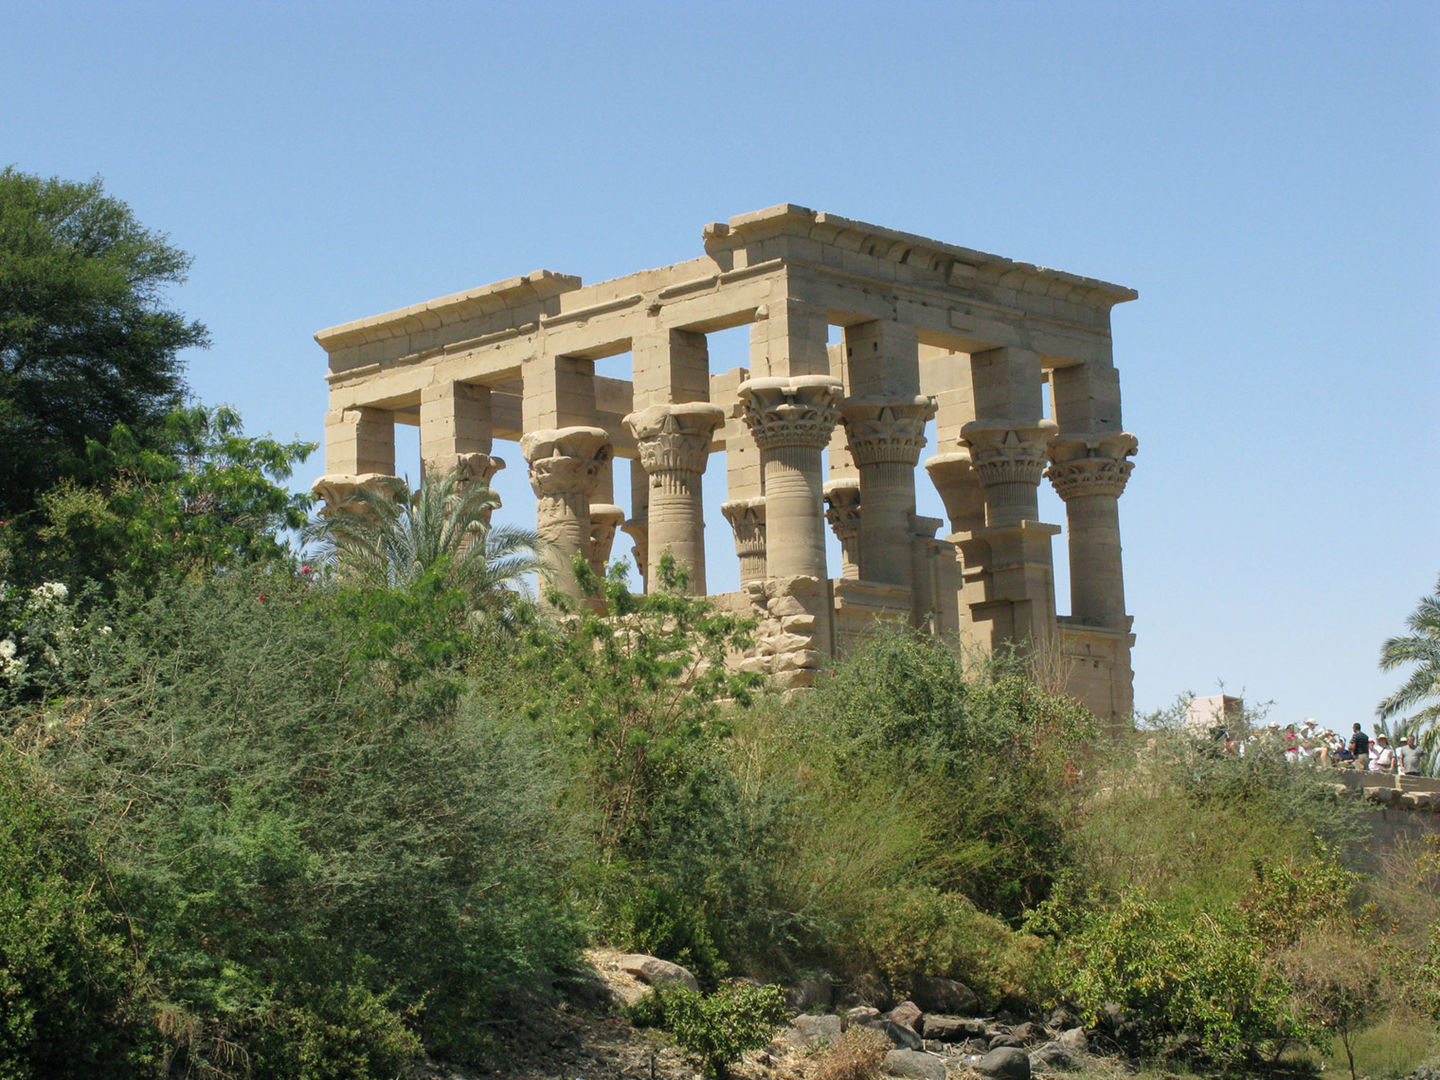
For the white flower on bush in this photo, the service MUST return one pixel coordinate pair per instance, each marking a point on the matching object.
(48, 595)
(11, 666)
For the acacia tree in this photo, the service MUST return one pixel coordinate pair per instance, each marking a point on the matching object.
(86, 341)
(1419, 649)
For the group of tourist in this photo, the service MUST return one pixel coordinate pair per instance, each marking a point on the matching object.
(1361, 752)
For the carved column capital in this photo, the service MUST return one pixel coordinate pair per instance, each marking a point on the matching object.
(842, 511)
(886, 431)
(476, 467)
(341, 491)
(1091, 464)
(747, 518)
(842, 508)
(799, 411)
(1004, 452)
(675, 438)
(565, 461)
(605, 518)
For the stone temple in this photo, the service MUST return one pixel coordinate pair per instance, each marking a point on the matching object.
(1012, 363)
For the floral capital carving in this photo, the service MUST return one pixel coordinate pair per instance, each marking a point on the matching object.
(886, 431)
(842, 508)
(1003, 452)
(747, 518)
(565, 461)
(1091, 465)
(675, 438)
(799, 411)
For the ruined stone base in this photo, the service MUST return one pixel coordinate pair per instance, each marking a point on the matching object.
(1097, 669)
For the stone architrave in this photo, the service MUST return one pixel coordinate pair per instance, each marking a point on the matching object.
(673, 442)
(747, 519)
(842, 511)
(1089, 472)
(791, 420)
(605, 518)
(565, 466)
(886, 437)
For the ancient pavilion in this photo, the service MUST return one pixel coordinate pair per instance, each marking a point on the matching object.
(813, 432)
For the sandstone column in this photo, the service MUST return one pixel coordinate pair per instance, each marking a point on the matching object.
(747, 518)
(791, 420)
(1089, 473)
(1009, 458)
(886, 438)
(842, 500)
(674, 446)
(605, 518)
(565, 466)
(638, 527)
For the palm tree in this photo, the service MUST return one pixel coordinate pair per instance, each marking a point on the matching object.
(389, 539)
(1421, 691)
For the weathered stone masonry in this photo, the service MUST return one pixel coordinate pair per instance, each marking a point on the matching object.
(930, 332)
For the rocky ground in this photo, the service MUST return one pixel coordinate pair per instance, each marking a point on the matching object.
(588, 1038)
(585, 1036)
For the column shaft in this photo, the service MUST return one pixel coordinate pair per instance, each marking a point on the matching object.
(674, 446)
(791, 420)
(794, 524)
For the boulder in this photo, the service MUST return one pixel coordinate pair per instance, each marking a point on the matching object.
(938, 995)
(1066, 1051)
(903, 1037)
(861, 1013)
(952, 1028)
(1004, 1038)
(907, 1013)
(914, 1064)
(809, 1030)
(658, 972)
(1005, 1063)
(810, 993)
(1027, 1032)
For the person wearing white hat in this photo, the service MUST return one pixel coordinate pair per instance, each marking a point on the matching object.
(1384, 759)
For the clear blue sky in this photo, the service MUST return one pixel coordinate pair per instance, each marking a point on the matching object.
(1266, 175)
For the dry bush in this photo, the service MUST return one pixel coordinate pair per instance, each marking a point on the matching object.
(856, 1055)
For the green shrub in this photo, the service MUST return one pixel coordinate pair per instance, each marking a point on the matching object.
(71, 984)
(918, 930)
(986, 760)
(718, 1028)
(1197, 980)
(302, 797)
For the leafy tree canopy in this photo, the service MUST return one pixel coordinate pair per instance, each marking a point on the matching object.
(85, 339)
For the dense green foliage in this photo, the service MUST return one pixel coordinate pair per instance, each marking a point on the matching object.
(717, 1028)
(85, 340)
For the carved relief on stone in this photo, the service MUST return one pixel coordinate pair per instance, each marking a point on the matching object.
(1004, 452)
(799, 411)
(605, 518)
(1091, 465)
(842, 511)
(886, 431)
(476, 468)
(341, 491)
(674, 438)
(565, 461)
(747, 518)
